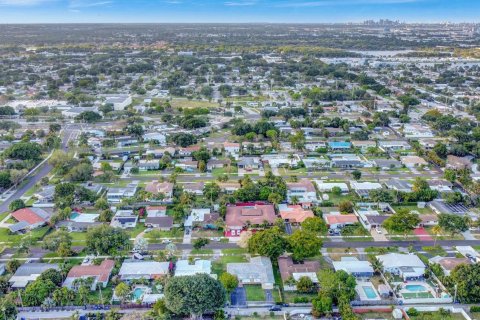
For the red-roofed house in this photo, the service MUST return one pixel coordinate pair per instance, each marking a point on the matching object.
(294, 213)
(34, 217)
(337, 221)
(240, 217)
(100, 274)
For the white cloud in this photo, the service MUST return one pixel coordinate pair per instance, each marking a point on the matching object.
(88, 3)
(240, 3)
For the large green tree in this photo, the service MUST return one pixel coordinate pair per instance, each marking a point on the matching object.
(467, 279)
(270, 243)
(402, 222)
(453, 223)
(106, 240)
(303, 244)
(194, 295)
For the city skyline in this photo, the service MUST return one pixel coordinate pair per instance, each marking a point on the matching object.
(235, 11)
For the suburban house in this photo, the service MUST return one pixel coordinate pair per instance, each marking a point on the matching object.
(29, 272)
(364, 145)
(413, 161)
(387, 164)
(355, 267)
(29, 218)
(258, 271)
(119, 102)
(249, 163)
(156, 188)
(393, 145)
(338, 221)
(458, 163)
(323, 186)
(231, 148)
(399, 185)
(195, 188)
(157, 218)
(146, 165)
(229, 187)
(289, 269)
(363, 188)
(242, 216)
(156, 137)
(124, 219)
(339, 145)
(137, 269)
(449, 263)
(217, 164)
(115, 195)
(184, 268)
(294, 214)
(407, 266)
(303, 190)
(202, 218)
(99, 273)
(187, 164)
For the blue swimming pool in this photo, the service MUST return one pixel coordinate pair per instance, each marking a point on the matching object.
(138, 293)
(415, 288)
(369, 292)
(74, 215)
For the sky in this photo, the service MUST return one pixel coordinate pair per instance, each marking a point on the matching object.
(236, 11)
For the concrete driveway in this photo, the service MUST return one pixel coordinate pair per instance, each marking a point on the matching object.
(239, 297)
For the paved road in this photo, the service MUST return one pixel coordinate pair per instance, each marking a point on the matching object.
(70, 132)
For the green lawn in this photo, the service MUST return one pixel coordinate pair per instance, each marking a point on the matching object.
(292, 296)
(234, 251)
(220, 266)
(437, 316)
(416, 295)
(221, 171)
(255, 293)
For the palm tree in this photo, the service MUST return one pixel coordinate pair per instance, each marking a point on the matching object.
(294, 200)
(436, 231)
(377, 265)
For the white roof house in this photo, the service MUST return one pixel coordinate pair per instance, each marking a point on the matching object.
(408, 266)
(184, 268)
(258, 271)
(365, 185)
(136, 269)
(328, 186)
(29, 272)
(353, 266)
(197, 215)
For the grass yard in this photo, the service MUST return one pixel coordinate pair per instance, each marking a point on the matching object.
(437, 315)
(376, 315)
(220, 266)
(293, 296)
(413, 207)
(226, 170)
(255, 293)
(234, 251)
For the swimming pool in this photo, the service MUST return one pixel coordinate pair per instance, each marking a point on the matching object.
(369, 292)
(74, 215)
(138, 293)
(415, 288)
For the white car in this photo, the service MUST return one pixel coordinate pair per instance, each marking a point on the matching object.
(379, 231)
(166, 241)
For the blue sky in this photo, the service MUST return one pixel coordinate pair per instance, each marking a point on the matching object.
(283, 11)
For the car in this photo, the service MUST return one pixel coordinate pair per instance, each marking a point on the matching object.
(275, 308)
(166, 241)
(379, 231)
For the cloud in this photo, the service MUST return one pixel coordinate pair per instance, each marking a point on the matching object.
(240, 3)
(307, 4)
(23, 2)
(88, 3)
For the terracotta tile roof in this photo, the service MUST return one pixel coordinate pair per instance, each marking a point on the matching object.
(340, 218)
(304, 184)
(31, 216)
(102, 272)
(296, 213)
(288, 267)
(256, 214)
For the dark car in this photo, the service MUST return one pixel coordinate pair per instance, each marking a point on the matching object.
(275, 308)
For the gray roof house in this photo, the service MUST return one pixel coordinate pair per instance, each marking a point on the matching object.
(258, 271)
(29, 272)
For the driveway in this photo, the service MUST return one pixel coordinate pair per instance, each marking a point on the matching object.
(422, 234)
(378, 236)
(239, 297)
(268, 295)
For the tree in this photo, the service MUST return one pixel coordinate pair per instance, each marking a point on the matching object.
(12, 266)
(321, 306)
(356, 174)
(37, 291)
(200, 243)
(450, 175)
(88, 117)
(5, 181)
(304, 244)
(54, 127)
(122, 290)
(305, 285)
(315, 225)
(466, 278)
(16, 205)
(63, 296)
(104, 239)
(229, 281)
(402, 222)
(81, 172)
(193, 295)
(51, 275)
(58, 239)
(24, 151)
(101, 204)
(211, 191)
(17, 176)
(270, 242)
(345, 206)
(453, 223)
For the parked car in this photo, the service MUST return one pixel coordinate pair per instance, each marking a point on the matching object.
(275, 308)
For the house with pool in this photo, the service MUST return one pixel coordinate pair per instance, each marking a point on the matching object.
(406, 266)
